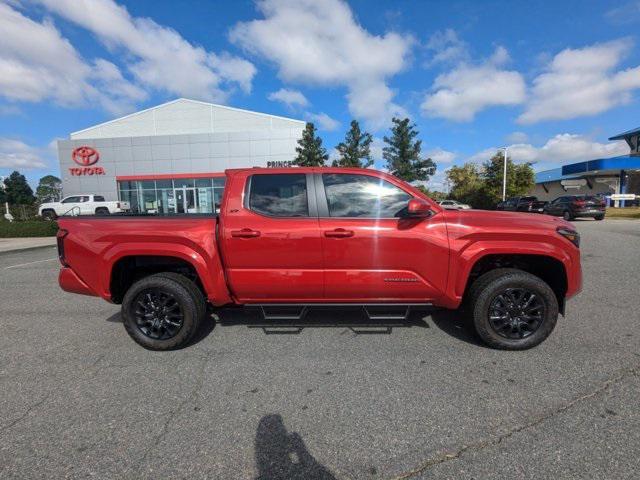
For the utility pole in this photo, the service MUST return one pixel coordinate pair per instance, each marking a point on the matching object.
(504, 175)
(7, 215)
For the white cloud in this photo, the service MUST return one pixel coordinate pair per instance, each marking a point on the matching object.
(17, 154)
(562, 148)
(37, 63)
(323, 121)
(158, 56)
(517, 137)
(468, 89)
(319, 42)
(439, 155)
(447, 47)
(291, 98)
(581, 82)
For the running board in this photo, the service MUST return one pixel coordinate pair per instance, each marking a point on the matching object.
(374, 311)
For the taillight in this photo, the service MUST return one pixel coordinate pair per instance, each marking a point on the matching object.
(60, 241)
(571, 235)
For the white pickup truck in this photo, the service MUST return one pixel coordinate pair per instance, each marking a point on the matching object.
(81, 205)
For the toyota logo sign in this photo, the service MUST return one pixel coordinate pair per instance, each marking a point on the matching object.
(85, 156)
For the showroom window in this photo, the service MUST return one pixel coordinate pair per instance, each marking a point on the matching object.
(177, 196)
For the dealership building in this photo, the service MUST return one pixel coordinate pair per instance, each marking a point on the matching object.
(171, 158)
(600, 176)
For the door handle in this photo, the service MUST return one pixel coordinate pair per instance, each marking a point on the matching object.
(339, 233)
(245, 233)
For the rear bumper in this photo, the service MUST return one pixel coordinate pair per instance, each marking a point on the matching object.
(588, 213)
(70, 282)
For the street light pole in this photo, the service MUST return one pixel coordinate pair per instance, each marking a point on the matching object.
(504, 175)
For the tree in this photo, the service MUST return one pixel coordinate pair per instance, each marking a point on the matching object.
(481, 186)
(49, 188)
(355, 151)
(467, 185)
(520, 178)
(17, 190)
(311, 153)
(403, 153)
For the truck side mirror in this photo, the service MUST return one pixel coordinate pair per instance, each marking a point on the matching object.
(417, 208)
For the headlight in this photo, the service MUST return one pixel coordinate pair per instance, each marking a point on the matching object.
(571, 235)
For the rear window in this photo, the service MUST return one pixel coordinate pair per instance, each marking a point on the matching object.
(98, 198)
(528, 199)
(278, 195)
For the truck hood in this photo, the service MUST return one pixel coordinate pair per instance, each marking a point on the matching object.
(504, 221)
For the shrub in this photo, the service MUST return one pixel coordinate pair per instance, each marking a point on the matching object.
(31, 228)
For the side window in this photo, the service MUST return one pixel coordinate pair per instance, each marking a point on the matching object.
(350, 195)
(70, 200)
(279, 195)
(98, 198)
(84, 199)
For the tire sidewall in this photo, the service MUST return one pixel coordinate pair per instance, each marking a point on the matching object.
(183, 298)
(497, 286)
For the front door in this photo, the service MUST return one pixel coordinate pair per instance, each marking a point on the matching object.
(372, 253)
(271, 240)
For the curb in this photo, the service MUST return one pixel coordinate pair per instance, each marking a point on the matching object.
(26, 249)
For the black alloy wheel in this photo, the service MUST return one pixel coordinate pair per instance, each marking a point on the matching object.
(163, 311)
(516, 313)
(158, 314)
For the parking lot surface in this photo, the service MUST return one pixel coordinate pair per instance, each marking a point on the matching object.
(79, 399)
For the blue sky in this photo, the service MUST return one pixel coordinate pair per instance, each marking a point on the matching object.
(552, 80)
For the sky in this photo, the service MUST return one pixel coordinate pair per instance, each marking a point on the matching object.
(550, 80)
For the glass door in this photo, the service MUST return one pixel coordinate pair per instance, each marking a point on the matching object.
(185, 200)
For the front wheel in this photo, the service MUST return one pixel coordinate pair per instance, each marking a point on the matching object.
(513, 309)
(599, 217)
(163, 311)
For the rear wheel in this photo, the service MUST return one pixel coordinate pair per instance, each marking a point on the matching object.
(102, 211)
(163, 311)
(599, 217)
(49, 215)
(512, 309)
(567, 215)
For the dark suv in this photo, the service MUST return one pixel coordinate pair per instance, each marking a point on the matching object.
(522, 204)
(573, 206)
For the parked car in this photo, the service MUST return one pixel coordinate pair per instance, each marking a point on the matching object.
(81, 205)
(522, 204)
(294, 238)
(453, 205)
(573, 206)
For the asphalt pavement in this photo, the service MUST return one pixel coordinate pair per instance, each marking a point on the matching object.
(339, 400)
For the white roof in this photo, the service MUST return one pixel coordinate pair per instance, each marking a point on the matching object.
(184, 116)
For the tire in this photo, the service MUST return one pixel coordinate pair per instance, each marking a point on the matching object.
(172, 289)
(102, 211)
(485, 294)
(599, 217)
(567, 215)
(49, 215)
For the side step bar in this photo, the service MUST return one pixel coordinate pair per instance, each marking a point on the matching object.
(374, 311)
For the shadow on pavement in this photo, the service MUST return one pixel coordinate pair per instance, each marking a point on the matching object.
(454, 323)
(281, 455)
(449, 321)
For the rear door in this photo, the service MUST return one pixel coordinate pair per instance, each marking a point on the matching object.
(371, 252)
(271, 238)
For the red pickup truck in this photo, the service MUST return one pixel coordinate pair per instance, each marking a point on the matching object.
(297, 237)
